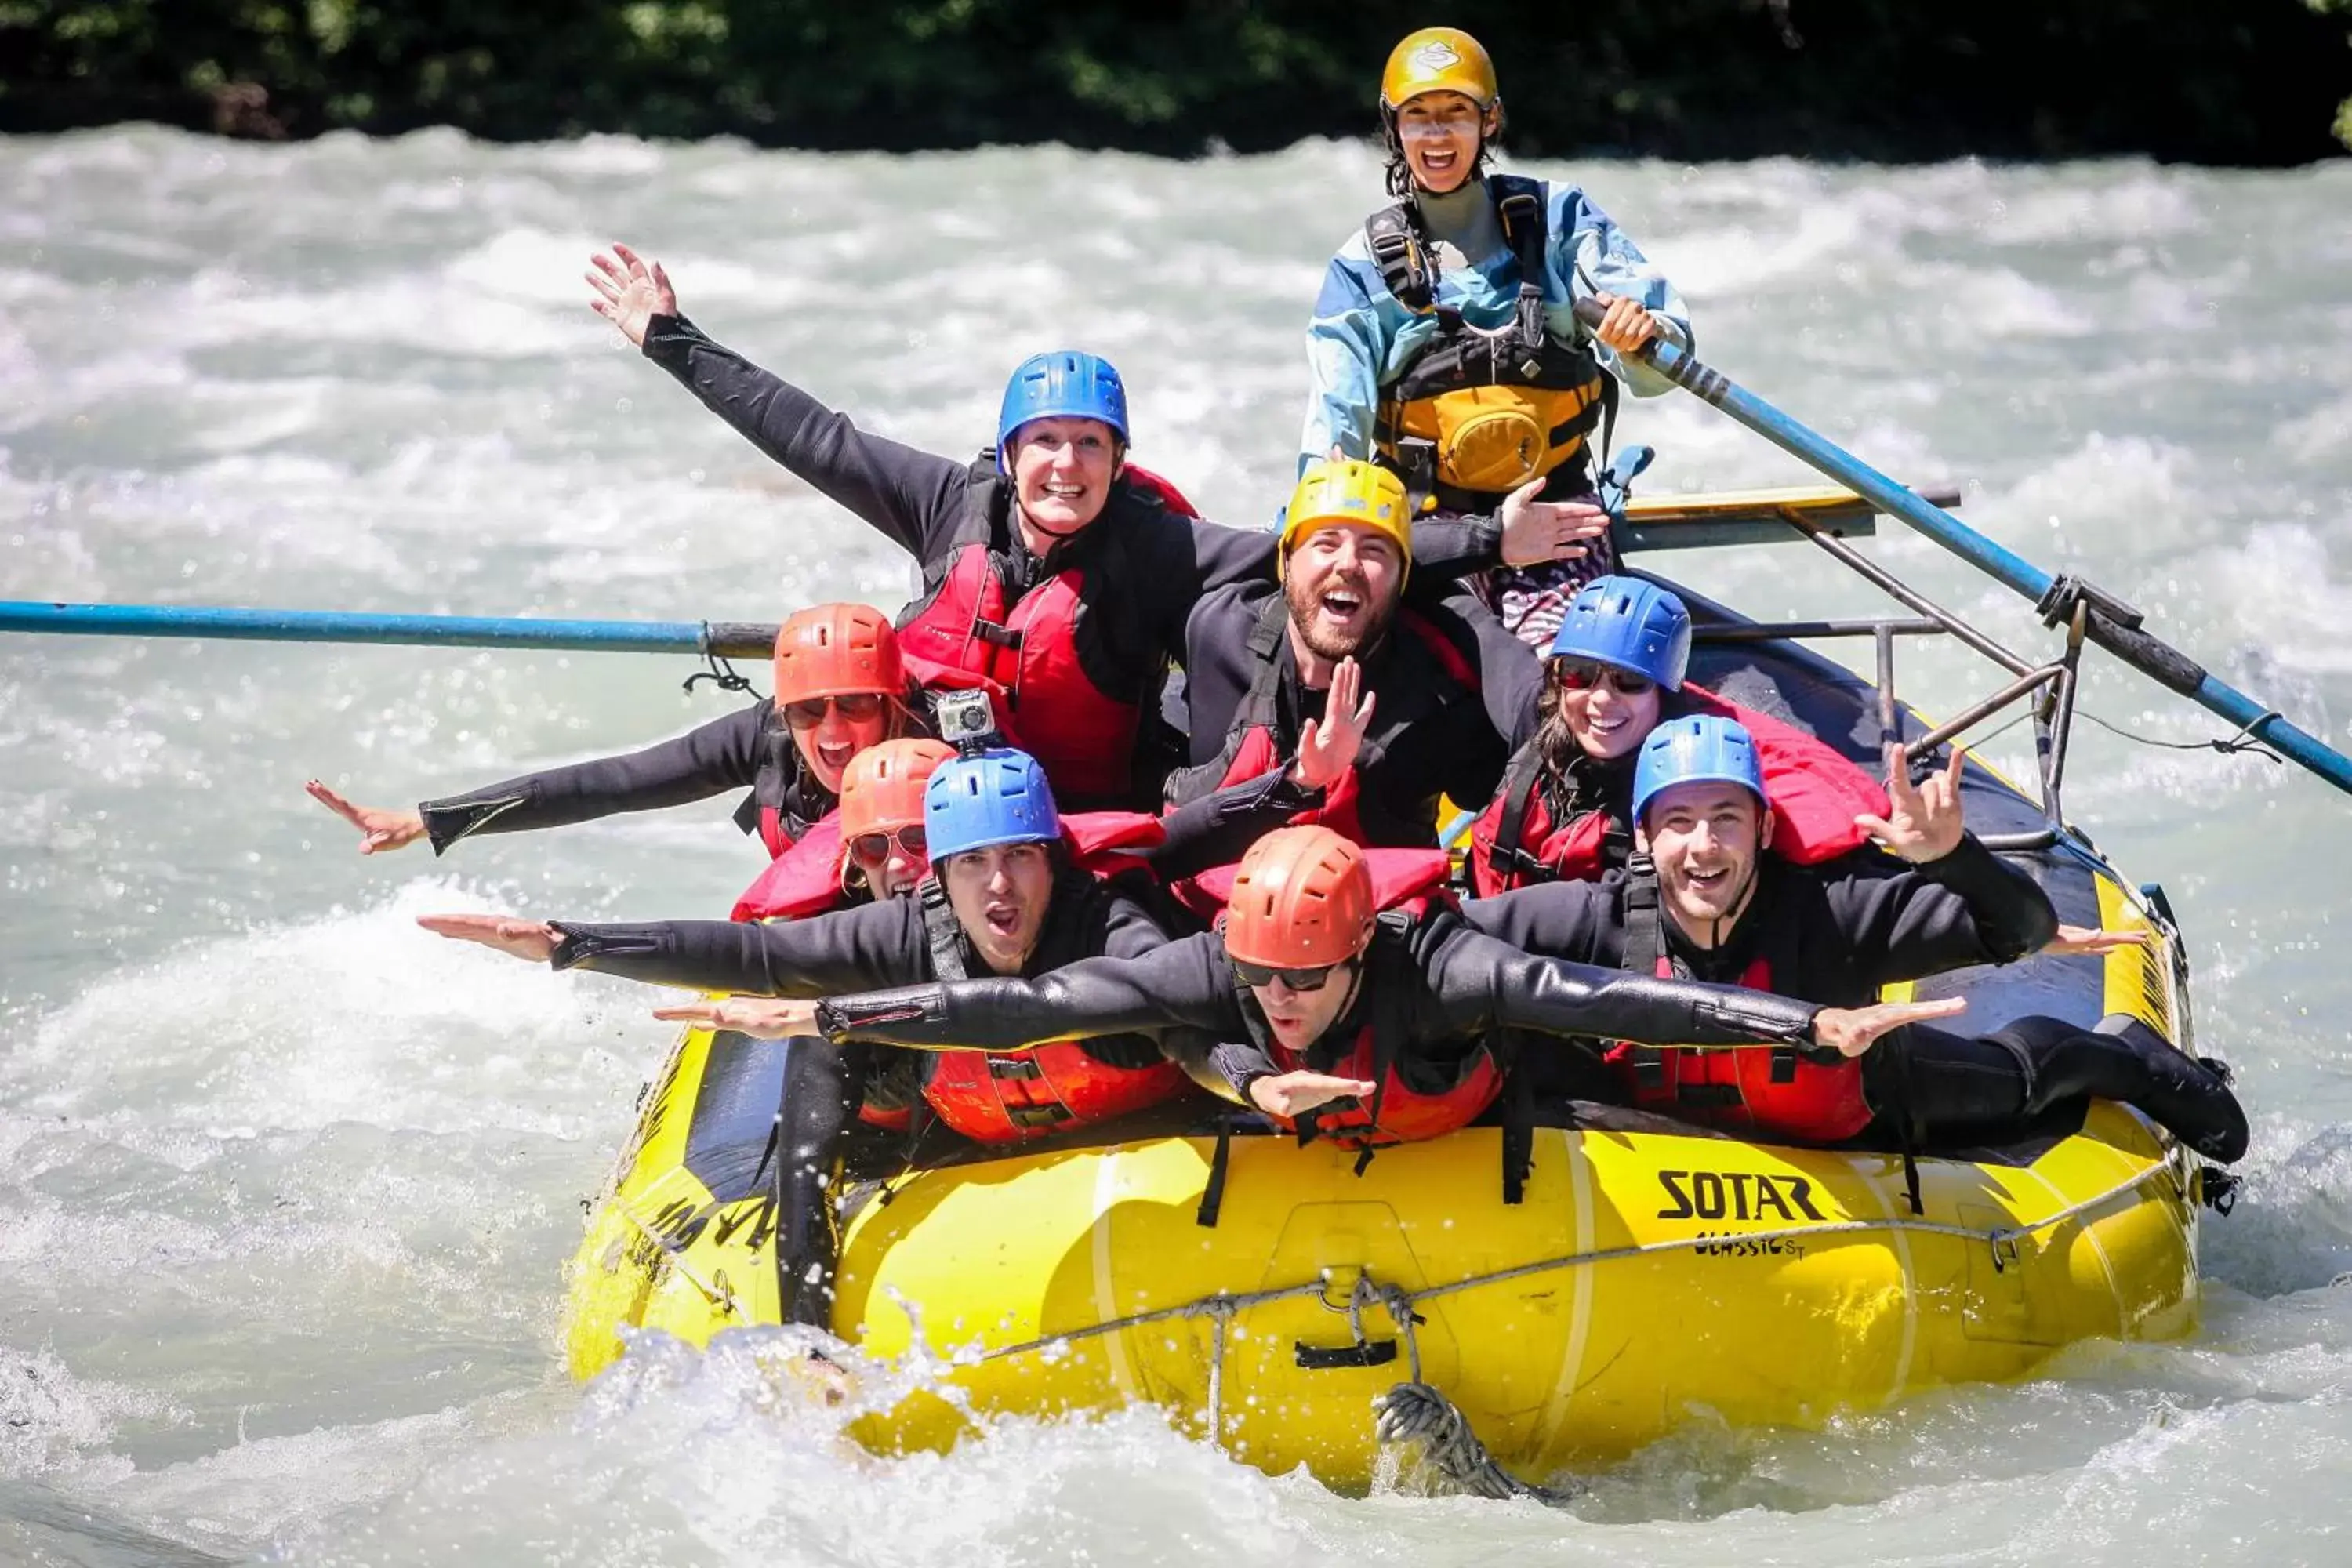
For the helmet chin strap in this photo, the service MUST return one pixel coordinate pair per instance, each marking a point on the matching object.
(1714, 928)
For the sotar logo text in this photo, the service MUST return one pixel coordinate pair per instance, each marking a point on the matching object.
(1737, 1194)
(1436, 56)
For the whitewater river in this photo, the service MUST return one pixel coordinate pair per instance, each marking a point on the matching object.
(287, 1186)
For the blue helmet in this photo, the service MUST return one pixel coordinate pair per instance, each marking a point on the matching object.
(997, 797)
(1703, 748)
(1065, 384)
(1628, 623)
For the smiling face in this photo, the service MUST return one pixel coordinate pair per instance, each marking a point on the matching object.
(999, 896)
(1440, 133)
(1298, 1019)
(1705, 837)
(1062, 469)
(1342, 584)
(895, 870)
(1606, 722)
(829, 732)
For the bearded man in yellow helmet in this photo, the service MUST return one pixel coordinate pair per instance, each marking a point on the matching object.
(1444, 344)
(1429, 699)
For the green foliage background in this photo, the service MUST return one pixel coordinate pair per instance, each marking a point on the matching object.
(2242, 81)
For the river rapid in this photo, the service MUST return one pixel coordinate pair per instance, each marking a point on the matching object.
(287, 1185)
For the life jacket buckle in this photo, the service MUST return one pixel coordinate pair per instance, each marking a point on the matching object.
(1000, 636)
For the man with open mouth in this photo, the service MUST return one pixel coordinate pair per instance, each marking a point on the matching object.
(1443, 692)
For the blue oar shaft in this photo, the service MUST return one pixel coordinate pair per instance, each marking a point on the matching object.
(2150, 654)
(415, 631)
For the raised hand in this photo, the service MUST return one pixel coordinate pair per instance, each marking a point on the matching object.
(762, 1017)
(1926, 821)
(630, 292)
(1849, 1031)
(511, 934)
(1538, 530)
(2077, 939)
(379, 829)
(1295, 1093)
(1627, 326)
(1327, 748)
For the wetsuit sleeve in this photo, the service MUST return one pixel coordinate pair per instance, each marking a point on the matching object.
(1583, 236)
(1477, 984)
(1347, 343)
(1971, 906)
(1176, 985)
(913, 498)
(1575, 920)
(1218, 828)
(721, 755)
(848, 950)
(1510, 677)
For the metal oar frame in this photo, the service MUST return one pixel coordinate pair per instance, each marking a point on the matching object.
(2049, 687)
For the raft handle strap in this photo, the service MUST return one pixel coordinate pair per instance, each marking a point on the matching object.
(1315, 1358)
(1212, 1194)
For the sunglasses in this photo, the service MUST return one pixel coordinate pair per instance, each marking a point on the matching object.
(855, 706)
(1583, 674)
(876, 846)
(1313, 979)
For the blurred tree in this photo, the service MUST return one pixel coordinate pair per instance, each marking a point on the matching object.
(2249, 82)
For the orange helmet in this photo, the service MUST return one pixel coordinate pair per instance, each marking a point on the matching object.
(832, 650)
(882, 788)
(1302, 898)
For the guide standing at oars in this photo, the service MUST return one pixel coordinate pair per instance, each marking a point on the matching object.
(1445, 340)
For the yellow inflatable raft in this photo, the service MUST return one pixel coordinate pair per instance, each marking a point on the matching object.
(1652, 1276)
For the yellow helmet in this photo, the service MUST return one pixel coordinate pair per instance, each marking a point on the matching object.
(1348, 491)
(1438, 59)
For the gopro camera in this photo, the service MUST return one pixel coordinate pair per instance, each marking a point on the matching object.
(967, 721)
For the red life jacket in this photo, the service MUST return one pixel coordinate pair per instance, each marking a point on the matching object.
(1407, 884)
(1816, 794)
(994, 1097)
(806, 879)
(1780, 1092)
(967, 631)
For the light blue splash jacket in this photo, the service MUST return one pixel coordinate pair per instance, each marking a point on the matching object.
(1362, 338)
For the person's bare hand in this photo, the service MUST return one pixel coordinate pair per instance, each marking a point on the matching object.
(1328, 747)
(511, 934)
(1290, 1094)
(1849, 1031)
(1924, 822)
(1627, 327)
(379, 829)
(2071, 940)
(762, 1017)
(1537, 530)
(629, 291)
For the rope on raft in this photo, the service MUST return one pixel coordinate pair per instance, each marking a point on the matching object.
(1415, 1410)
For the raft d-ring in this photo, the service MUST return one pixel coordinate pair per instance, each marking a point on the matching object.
(1349, 1277)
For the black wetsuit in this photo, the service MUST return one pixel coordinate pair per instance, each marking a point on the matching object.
(884, 943)
(1145, 567)
(746, 749)
(1449, 990)
(1835, 933)
(1433, 732)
